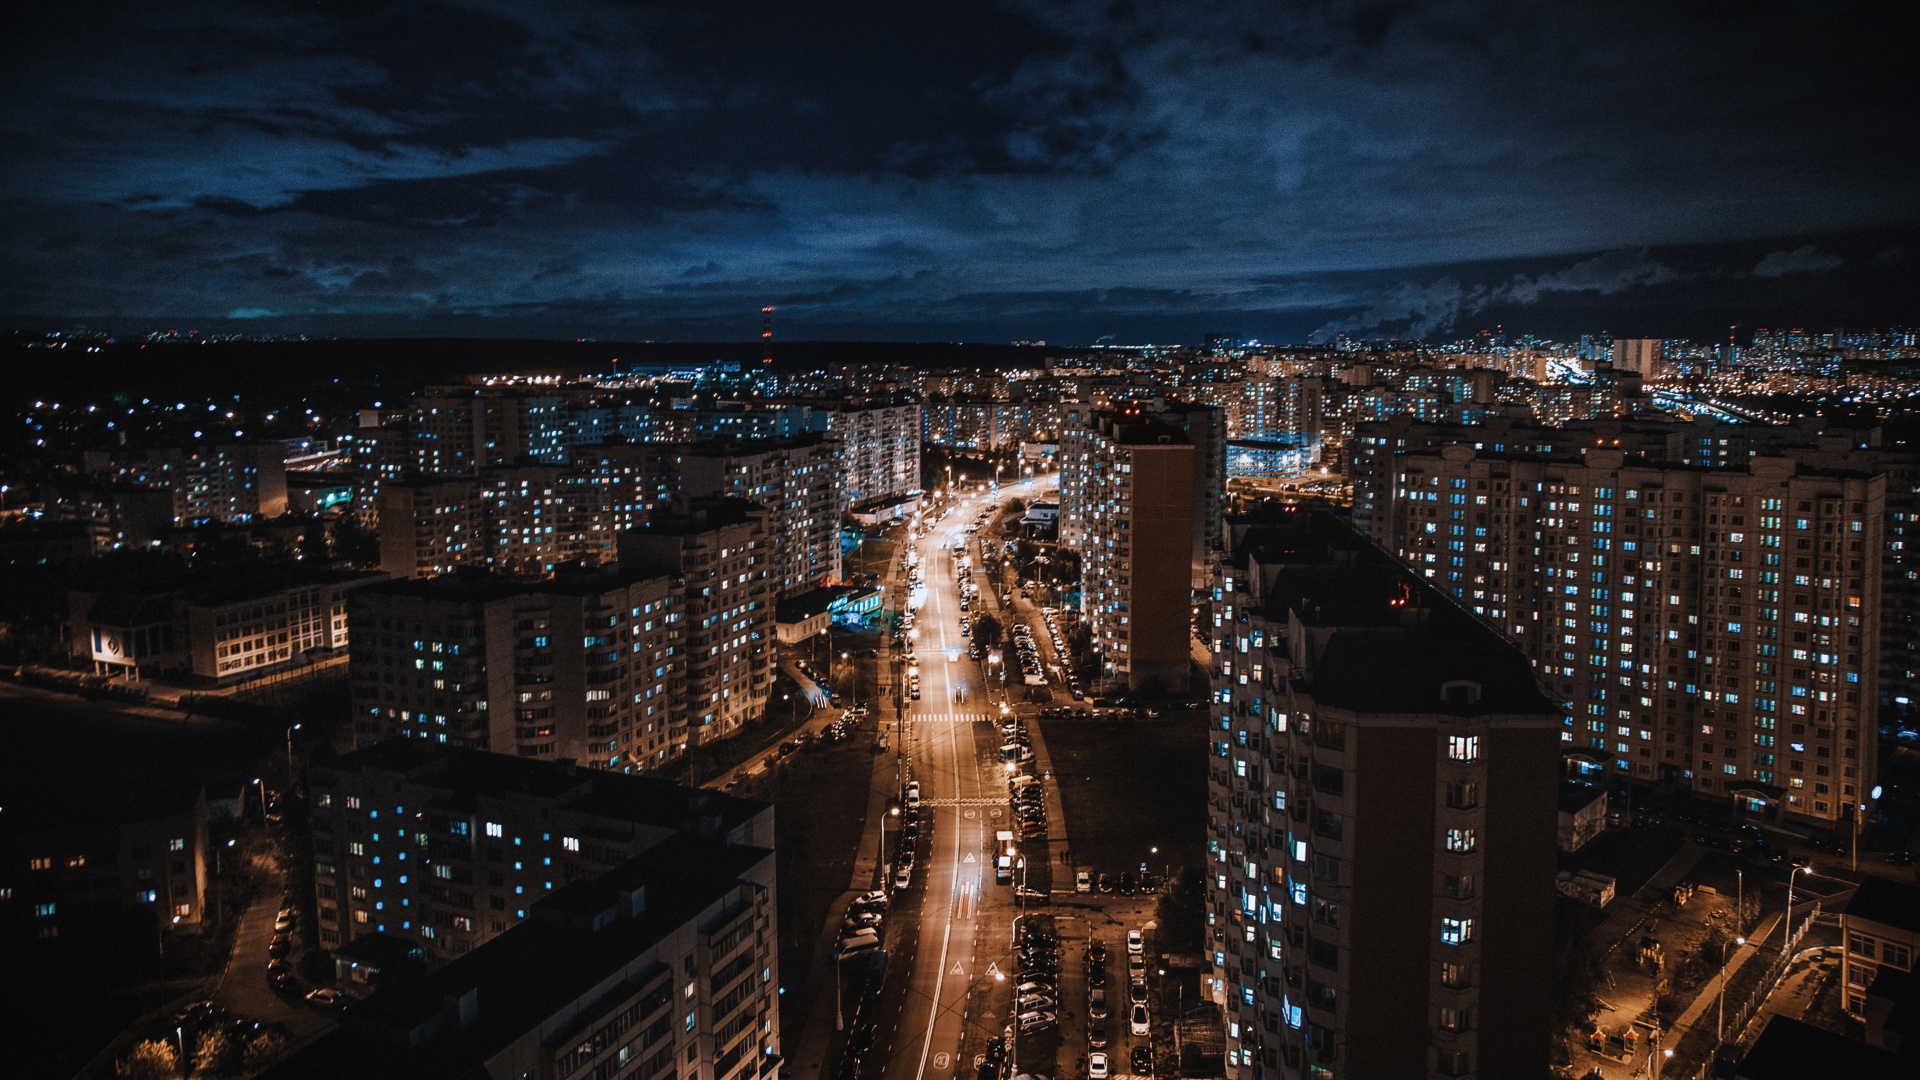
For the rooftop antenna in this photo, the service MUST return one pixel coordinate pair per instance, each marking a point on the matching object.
(766, 333)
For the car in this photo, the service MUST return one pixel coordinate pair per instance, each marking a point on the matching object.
(325, 997)
(913, 794)
(1137, 991)
(1128, 882)
(1143, 1061)
(1097, 1003)
(1136, 966)
(1097, 1066)
(283, 923)
(279, 947)
(1106, 883)
(1034, 985)
(1899, 858)
(903, 877)
(1096, 951)
(1097, 1036)
(997, 1049)
(1137, 1022)
(1135, 943)
(1097, 975)
(1034, 1021)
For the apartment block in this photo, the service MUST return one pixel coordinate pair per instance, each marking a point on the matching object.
(880, 448)
(76, 864)
(535, 517)
(229, 483)
(430, 527)
(1716, 629)
(798, 482)
(1382, 818)
(446, 848)
(587, 666)
(1128, 480)
(725, 560)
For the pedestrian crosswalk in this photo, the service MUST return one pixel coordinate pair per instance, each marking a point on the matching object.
(963, 802)
(953, 718)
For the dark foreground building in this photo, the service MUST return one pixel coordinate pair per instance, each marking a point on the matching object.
(1383, 814)
(518, 918)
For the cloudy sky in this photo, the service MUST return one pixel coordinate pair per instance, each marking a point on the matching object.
(964, 170)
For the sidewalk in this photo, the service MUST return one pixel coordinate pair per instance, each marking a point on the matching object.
(806, 1053)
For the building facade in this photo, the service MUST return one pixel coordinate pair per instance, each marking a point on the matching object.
(1717, 629)
(588, 666)
(447, 848)
(1382, 793)
(1128, 487)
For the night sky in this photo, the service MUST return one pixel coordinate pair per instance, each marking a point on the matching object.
(960, 170)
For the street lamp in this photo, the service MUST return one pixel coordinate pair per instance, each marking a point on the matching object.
(1786, 935)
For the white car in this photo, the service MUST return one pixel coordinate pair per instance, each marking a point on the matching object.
(1135, 944)
(1097, 1066)
(1137, 1023)
(903, 877)
(913, 794)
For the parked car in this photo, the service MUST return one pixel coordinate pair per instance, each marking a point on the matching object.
(325, 997)
(1034, 1021)
(1135, 943)
(1097, 1003)
(1097, 1066)
(1137, 1023)
(1143, 1061)
(903, 877)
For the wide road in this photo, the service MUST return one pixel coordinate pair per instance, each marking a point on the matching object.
(954, 1002)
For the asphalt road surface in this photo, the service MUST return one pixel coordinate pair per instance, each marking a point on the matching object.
(954, 996)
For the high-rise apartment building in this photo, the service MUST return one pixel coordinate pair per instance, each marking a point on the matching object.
(725, 560)
(430, 527)
(798, 482)
(588, 666)
(1716, 629)
(1382, 799)
(445, 848)
(1645, 356)
(1129, 479)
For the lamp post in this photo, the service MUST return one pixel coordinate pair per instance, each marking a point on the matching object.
(290, 732)
(1786, 935)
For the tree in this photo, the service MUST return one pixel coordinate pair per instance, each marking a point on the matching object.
(987, 631)
(154, 1059)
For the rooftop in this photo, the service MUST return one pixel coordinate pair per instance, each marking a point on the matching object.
(1381, 639)
(468, 775)
(573, 941)
(1794, 1050)
(1888, 903)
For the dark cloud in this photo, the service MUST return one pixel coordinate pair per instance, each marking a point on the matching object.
(929, 168)
(1801, 260)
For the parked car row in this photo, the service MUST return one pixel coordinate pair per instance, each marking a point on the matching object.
(1036, 965)
(1126, 884)
(1060, 650)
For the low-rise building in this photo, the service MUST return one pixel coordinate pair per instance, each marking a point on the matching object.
(1881, 924)
(220, 627)
(78, 867)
